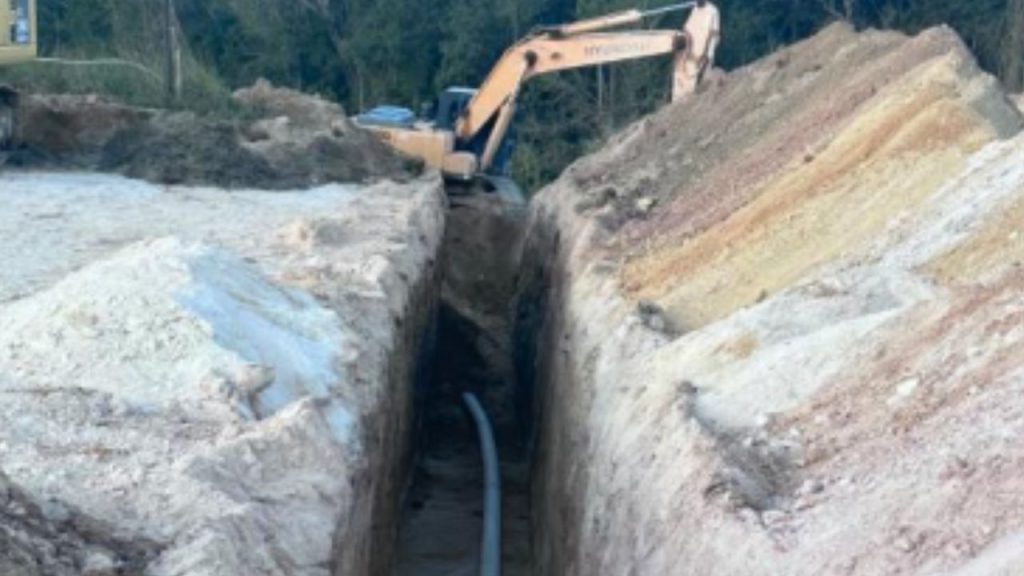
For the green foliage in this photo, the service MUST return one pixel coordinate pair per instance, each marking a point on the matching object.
(120, 82)
(245, 40)
(979, 22)
(394, 50)
(114, 48)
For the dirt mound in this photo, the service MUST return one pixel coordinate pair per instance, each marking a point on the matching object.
(156, 302)
(154, 358)
(708, 154)
(303, 112)
(182, 149)
(305, 138)
(784, 138)
(281, 139)
(57, 128)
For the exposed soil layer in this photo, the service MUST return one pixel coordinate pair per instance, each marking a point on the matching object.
(481, 254)
(887, 117)
(280, 139)
(776, 329)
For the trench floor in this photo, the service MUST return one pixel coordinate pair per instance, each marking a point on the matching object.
(442, 519)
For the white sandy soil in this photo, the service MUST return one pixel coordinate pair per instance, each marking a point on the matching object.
(170, 363)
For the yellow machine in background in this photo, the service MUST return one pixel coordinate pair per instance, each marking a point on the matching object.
(467, 134)
(17, 44)
(17, 30)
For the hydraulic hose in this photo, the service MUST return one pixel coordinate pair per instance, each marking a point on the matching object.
(490, 542)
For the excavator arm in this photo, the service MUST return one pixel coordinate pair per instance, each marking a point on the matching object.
(577, 45)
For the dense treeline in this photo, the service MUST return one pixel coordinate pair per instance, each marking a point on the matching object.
(365, 52)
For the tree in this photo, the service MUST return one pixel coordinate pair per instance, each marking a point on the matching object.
(172, 53)
(1012, 59)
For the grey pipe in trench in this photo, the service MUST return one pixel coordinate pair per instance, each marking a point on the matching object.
(490, 542)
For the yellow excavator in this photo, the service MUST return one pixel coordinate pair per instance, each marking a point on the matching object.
(17, 44)
(466, 135)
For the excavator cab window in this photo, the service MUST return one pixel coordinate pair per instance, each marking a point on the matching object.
(450, 105)
(20, 32)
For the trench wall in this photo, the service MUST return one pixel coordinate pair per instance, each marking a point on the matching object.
(755, 329)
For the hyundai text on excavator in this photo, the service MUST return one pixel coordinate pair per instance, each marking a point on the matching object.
(467, 134)
(17, 44)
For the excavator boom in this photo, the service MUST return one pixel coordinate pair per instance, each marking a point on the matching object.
(615, 20)
(595, 24)
(546, 54)
(576, 45)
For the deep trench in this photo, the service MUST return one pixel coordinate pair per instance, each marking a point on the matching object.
(442, 511)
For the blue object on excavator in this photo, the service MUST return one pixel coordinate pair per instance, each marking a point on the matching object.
(388, 116)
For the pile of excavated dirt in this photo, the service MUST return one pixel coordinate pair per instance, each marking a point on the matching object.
(219, 382)
(71, 130)
(779, 326)
(281, 139)
(887, 118)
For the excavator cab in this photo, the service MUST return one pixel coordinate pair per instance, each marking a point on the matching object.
(431, 136)
(450, 107)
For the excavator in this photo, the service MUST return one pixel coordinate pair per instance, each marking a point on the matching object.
(17, 44)
(466, 136)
